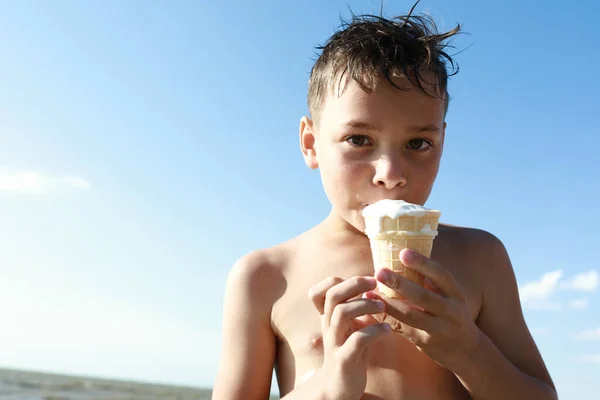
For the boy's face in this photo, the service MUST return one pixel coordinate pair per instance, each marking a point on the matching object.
(368, 147)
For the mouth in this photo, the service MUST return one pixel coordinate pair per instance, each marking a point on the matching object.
(394, 198)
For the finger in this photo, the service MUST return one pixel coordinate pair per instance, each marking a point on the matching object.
(374, 295)
(357, 343)
(431, 287)
(403, 314)
(343, 314)
(414, 335)
(439, 276)
(346, 290)
(317, 292)
(411, 316)
(415, 293)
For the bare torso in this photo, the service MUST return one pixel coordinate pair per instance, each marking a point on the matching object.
(396, 368)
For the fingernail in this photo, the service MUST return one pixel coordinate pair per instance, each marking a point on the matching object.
(384, 274)
(371, 280)
(379, 304)
(410, 256)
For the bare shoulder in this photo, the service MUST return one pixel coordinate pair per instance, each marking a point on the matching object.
(261, 276)
(475, 257)
(481, 252)
(476, 241)
(258, 276)
(487, 258)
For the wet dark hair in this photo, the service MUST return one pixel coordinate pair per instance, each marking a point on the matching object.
(370, 47)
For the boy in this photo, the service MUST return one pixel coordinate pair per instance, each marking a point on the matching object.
(309, 307)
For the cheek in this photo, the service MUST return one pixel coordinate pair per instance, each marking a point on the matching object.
(426, 173)
(430, 169)
(344, 179)
(350, 173)
(422, 177)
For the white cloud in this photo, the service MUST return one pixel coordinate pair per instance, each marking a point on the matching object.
(540, 294)
(590, 358)
(585, 282)
(540, 289)
(579, 304)
(31, 182)
(589, 335)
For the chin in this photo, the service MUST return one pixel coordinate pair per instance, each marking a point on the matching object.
(352, 216)
(356, 220)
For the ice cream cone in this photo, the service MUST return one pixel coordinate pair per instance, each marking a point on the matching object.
(393, 225)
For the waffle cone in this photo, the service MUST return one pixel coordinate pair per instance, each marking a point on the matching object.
(386, 254)
(405, 232)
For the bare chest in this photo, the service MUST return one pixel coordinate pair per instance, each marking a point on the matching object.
(396, 368)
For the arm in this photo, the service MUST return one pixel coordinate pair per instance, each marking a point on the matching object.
(311, 389)
(493, 359)
(248, 351)
(249, 348)
(506, 363)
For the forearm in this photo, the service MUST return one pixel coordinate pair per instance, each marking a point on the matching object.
(488, 375)
(310, 389)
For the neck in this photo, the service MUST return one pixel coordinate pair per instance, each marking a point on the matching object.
(336, 225)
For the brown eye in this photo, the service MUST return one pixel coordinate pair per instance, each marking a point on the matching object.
(419, 144)
(357, 140)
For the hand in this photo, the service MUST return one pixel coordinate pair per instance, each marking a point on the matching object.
(348, 329)
(436, 321)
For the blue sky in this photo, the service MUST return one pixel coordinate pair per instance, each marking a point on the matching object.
(146, 147)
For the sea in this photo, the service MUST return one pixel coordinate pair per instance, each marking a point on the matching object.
(27, 385)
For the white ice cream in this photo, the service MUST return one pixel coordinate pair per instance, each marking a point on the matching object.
(394, 209)
(375, 213)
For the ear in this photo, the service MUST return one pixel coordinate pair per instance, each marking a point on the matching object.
(308, 142)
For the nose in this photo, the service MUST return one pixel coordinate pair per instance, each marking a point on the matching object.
(389, 173)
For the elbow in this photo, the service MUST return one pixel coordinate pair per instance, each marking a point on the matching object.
(548, 390)
(552, 394)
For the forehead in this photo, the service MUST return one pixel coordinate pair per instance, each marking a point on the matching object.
(386, 105)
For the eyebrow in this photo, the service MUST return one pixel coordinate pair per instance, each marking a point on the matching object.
(412, 129)
(424, 128)
(361, 125)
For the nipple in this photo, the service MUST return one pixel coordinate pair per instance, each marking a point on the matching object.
(316, 341)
